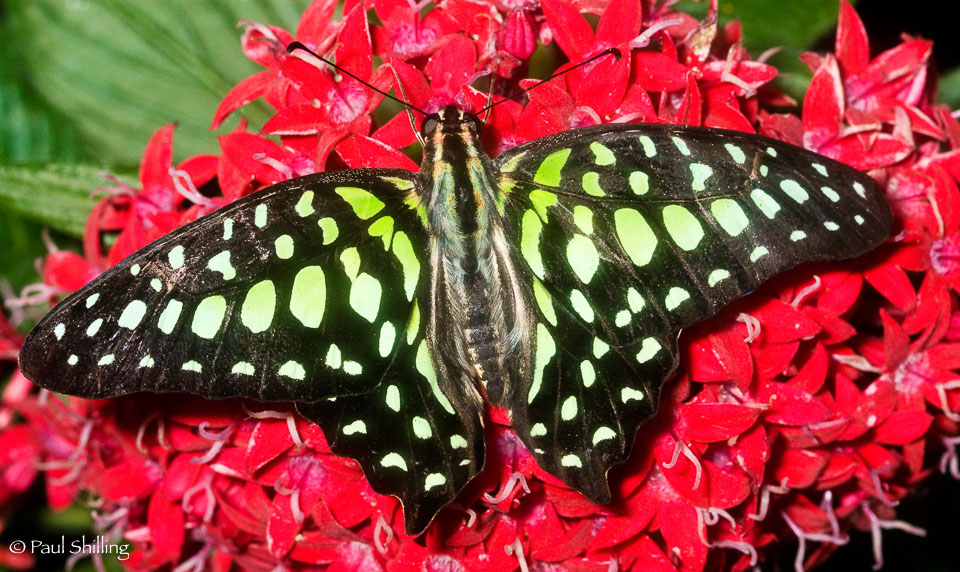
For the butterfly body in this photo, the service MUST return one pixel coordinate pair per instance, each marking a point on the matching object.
(552, 281)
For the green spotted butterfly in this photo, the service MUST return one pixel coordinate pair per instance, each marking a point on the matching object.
(390, 306)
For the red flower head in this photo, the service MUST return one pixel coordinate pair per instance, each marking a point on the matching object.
(798, 413)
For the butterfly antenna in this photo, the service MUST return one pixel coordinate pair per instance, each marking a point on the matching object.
(607, 52)
(413, 121)
(298, 46)
(489, 103)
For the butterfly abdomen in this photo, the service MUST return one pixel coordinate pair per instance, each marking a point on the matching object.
(478, 310)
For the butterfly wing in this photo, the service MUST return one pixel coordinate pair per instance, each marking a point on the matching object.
(296, 293)
(410, 440)
(630, 233)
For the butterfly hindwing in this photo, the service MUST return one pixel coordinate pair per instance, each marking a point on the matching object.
(410, 440)
(630, 233)
(295, 293)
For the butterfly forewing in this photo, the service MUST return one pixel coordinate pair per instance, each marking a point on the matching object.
(296, 293)
(630, 233)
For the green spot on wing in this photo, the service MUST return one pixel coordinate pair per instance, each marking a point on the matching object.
(583, 218)
(284, 246)
(591, 184)
(735, 152)
(304, 206)
(209, 316)
(364, 204)
(169, 316)
(530, 229)
(639, 182)
(730, 216)
(309, 296)
(393, 398)
(546, 348)
(636, 237)
(175, 257)
(583, 257)
(365, 296)
(403, 250)
(383, 227)
(260, 216)
(258, 307)
(221, 263)
(544, 302)
(425, 367)
(548, 173)
(602, 155)
(700, 174)
(388, 335)
(393, 460)
(540, 200)
(675, 297)
(767, 204)
(683, 226)
(351, 262)
(132, 315)
(329, 228)
(293, 370)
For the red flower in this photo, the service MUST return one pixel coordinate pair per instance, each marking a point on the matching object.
(799, 413)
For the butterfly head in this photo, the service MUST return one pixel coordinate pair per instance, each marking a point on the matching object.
(449, 120)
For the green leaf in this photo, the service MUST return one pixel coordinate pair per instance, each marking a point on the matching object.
(119, 70)
(29, 130)
(950, 88)
(55, 195)
(791, 26)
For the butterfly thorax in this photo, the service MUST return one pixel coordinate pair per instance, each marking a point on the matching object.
(478, 312)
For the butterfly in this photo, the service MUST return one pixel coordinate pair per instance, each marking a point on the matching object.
(391, 306)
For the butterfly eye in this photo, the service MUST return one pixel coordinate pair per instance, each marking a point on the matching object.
(473, 121)
(429, 125)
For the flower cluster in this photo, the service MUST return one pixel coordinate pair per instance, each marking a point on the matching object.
(801, 412)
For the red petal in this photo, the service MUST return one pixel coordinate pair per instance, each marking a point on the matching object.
(791, 406)
(823, 106)
(711, 422)
(570, 30)
(315, 21)
(181, 475)
(365, 152)
(678, 524)
(813, 374)
(866, 151)
(896, 342)
(269, 440)
(282, 528)
(838, 297)
(452, 67)
(132, 478)
(903, 427)
(690, 111)
(619, 23)
(355, 52)
(800, 467)
(852, 46)
(894, 284)
(518, 36)
(304, 119)
(166, 522)
(67, 270)
(157, 158)
(655, 71)
(243, 93)
(781, 322)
